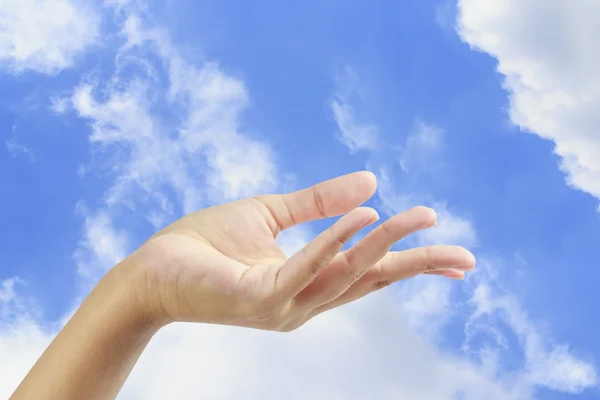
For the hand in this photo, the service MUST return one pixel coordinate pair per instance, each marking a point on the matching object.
(222, 264)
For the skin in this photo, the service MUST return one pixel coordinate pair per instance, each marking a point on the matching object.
(221, 265)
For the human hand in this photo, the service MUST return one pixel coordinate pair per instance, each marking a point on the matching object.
(222, 264)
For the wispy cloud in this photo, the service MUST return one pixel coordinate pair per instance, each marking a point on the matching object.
(45, 36)
(353, 133)
(445, 15)
(427, 302)
(421, 155)
(450, 229)
(15, 148)
(102, 245)
(150, 159)
(423, 150)
(203, 158)
(175, 143)
(546, 364)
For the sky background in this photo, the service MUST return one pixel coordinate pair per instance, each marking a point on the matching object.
(118, 117)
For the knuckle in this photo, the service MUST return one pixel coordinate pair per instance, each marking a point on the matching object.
(429, 259)
(386, 230)
(350, 257)
(275, 223)
(271, 318)
(322, 261)
(385, 264)
(286, 329)
(297, 322)
(382, 283)
(319, 264)
(315, 264)
(288, 210)
(318, 201)
(266, 304)
(337, 238)
(292, 326)
(356, 275)
(353, 271)
(270, 302)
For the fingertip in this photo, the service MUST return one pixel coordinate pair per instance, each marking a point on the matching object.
(368, 182)
(471, 259)
(373, 212)
(457, 275)
(368, 175)
(464, 259)
(370, 215)
(374, 218)
(433, 217)
(428, 214)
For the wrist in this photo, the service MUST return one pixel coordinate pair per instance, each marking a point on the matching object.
(95, 351)
(128, 286)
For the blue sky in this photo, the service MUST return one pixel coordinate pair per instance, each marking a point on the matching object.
(118, 118)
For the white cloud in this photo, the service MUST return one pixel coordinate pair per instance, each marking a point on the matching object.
(59, 105)
(421, 153)
(428, 302)
(392, 201)
(450, 229)
(45, 35)
(359, 351)
(7, 292)
(354, 134)
(208, 136)
(15, 148)
(240, 166)
(22, 340)
(203, 157)
(21, 344)
(546, 364)
(425, 302)
(549, 56)
(102, 245)
(292, 240)
(445, 15)
(364, 350)
(423, 150)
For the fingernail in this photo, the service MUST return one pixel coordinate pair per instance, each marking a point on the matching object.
(448, 273)
(458, 275)
(372, 220)
(433, 221)
(462, 267)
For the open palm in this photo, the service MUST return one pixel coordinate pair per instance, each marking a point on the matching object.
(222, 264)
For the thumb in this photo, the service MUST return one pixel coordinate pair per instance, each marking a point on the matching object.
(326, 199)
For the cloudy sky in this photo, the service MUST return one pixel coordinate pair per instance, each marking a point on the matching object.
(120, 116)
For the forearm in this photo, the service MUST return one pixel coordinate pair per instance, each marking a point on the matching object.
(95, 352)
